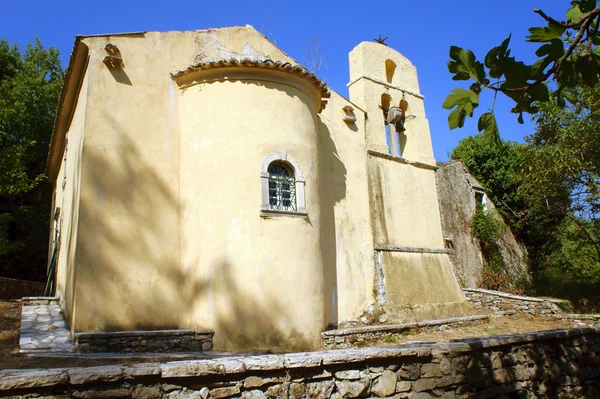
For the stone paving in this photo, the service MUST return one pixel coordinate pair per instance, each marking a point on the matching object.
(43, 327)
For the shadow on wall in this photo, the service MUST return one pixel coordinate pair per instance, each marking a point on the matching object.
(243, 323)
(129, 276)
(332, 189)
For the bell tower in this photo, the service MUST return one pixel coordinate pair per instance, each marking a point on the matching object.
(411, 263)
(384, 83)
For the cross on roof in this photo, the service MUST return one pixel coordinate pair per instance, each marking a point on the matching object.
(381, 40)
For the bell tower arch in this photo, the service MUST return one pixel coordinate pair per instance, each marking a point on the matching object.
(400, 129)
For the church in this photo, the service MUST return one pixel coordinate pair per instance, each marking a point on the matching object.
(204, 179)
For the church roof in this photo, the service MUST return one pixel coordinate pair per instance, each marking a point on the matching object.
(265, 64)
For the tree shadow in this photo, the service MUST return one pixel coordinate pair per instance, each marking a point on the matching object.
(128, 274)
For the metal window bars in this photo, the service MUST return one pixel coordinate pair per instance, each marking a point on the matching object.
(282, 188)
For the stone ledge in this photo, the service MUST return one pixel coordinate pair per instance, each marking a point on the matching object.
(39, 300)
(590, 316)
(404, 326)
(349, 358)
(512, 296)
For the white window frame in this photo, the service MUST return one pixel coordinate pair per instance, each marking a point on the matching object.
(285, 158)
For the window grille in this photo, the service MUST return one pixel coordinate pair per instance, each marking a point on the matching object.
(282, 188)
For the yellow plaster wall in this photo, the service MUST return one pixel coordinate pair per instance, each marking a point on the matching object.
(251, 279)
(170, 233)
(431, 282)
(345, 199)
(404, 206)
(128, 271)
(67, 199)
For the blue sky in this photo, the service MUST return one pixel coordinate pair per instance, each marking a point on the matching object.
(422, 31)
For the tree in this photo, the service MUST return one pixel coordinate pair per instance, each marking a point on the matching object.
(569, 55)
(548, 189)
(533, 212)
(30, 83)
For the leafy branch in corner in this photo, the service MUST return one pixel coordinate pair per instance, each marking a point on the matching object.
(568, 57)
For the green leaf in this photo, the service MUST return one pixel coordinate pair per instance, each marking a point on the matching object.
(553, 50)
(588, 69)
(465, 102)
(464, 65)
(487, 124)
(496, 57)
(584, 5)
(567, 76)
(516, 73)
(574, 14)
(545, 34)
(539, 92)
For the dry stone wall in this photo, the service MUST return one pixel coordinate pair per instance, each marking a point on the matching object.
(494, 301)
(555, 364)
(145, 341)
(11, 288)
(371, 335)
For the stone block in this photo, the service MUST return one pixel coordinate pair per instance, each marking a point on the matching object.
(321, 389)
(352, 389)
(424, 384)
(430, 370)
(503, 376)
(225, 392)
(409, 371)
(403, 386)
(254, 394)
(348, 375)
(385, 384)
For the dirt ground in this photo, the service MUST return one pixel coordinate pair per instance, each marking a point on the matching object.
(10, 358)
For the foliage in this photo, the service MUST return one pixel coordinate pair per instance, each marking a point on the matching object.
(566, 148)
(533, 213)
(487, 229)
(548, 190)
(30, 83)
(494, 167)
(568, 55)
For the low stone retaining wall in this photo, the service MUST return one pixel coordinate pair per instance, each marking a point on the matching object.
(145, 341)
(549, 364)
(488, 300)
(369, 335)
(590, 320)
(11, 288)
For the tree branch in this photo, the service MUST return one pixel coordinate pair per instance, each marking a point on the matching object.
(593, 13)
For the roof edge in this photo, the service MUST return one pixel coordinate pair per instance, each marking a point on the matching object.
(65, 103)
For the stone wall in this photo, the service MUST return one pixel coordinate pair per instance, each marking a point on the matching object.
(390, 333)
(457, 197)
(494, 301)
(562, 363)
(11, 288)
(145, 341)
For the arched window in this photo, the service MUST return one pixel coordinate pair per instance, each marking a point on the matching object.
(282, 187)
(390, 68)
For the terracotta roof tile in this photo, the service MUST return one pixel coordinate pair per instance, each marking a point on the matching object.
(266, 64)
